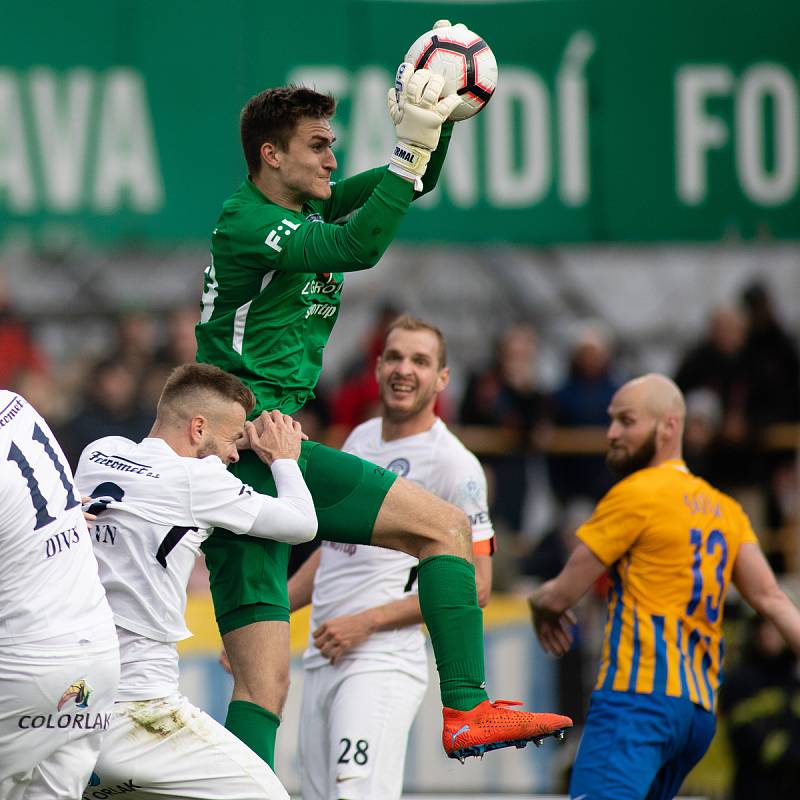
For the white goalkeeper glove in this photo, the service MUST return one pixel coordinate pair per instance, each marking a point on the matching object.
(418, 114)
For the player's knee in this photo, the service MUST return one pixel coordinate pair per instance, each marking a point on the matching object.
(453, 534)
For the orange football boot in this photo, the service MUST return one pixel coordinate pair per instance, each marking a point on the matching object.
(490, 726)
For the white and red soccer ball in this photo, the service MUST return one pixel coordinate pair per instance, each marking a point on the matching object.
(464, 59)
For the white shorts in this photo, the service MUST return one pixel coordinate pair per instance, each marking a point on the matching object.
(169, 748)
(354, 728)
(55, 706)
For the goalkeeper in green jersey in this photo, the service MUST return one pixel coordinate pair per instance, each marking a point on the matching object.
(271, 297)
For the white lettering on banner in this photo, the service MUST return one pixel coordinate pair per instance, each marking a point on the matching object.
(509, 185)
(126, 161)
(61, 119)
(764, 97)
(77, 140)
(697, 131)
(760, 83)
(17, 189)
(573, 120)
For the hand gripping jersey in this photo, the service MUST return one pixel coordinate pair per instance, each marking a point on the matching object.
(670, 541)
(352, 578)
(49, 584)
(154, 508)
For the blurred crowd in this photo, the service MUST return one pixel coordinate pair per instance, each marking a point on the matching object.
(545, 465)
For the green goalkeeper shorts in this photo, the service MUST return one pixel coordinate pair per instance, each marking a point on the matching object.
(248, 574)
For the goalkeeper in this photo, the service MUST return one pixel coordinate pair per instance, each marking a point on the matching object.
(271, 297)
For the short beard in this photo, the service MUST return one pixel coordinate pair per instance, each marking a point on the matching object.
(639, 459)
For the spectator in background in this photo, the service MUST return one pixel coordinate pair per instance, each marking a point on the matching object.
(703, 413)
(19, 353)
(507, 395)
(582, 401)
(357, 398)
(771, 361)
(136, 341)
(718, 363)
(110, 407)
(761, 702)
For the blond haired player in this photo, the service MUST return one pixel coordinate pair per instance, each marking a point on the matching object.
(156, 501)
(59, 658)
(672, 544)
(366, 668)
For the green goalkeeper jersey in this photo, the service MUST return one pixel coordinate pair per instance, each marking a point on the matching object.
(271, 293)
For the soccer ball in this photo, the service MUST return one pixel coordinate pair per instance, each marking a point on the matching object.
(464, 59)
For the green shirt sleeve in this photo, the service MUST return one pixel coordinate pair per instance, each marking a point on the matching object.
(351, 193)
(357, 244)
(431, 176)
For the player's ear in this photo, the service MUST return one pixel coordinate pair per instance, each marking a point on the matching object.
(270, 155)
(443, 379)
(197, 429)
(378, 365)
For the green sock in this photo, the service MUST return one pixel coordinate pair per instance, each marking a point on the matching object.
(449, 602)
(255, 726)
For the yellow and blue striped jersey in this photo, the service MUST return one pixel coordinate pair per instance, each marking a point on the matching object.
(670, 541)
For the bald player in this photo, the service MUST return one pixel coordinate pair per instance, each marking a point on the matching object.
(672, 544)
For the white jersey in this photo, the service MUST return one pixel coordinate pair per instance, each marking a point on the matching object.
(154, 509)
(351, 578)
(49, 583)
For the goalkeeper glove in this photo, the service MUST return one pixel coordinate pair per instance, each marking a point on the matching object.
(418, 114)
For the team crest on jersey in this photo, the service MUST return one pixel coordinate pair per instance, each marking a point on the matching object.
(471, 490)
(314, 217)
(399, 466)
(80, 691)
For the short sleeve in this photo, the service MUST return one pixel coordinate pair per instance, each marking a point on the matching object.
(221, 500)
(618, 520)
(468, 492)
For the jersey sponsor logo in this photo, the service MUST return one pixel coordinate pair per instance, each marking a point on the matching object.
(80, 691)
(324, 310)
(400, 466)
(110, 791)
(284, 230)
(347, 548)
(122, 464)
(11, 410)
(68, 721)
(325, 286)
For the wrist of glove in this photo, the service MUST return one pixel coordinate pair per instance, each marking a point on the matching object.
(418, 115)
(409, 161)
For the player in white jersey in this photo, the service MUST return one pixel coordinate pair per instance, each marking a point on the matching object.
(59, 658)
(155, 502)
(365, 667)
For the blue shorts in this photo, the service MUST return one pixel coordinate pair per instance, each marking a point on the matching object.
(639, 746)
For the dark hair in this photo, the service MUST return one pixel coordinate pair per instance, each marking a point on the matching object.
(187, 383)
(272, 116)
(406, 322)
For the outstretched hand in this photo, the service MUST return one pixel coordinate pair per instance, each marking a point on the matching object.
(274, 435)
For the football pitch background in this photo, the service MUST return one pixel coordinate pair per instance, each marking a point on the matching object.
(516, 667)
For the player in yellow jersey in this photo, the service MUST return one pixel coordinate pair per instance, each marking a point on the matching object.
(672, 544)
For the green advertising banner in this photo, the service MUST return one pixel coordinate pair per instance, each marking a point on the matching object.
(614, 120)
